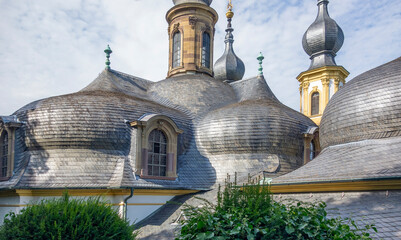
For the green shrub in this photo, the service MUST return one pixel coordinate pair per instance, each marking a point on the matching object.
(251, 213)
(66, 218)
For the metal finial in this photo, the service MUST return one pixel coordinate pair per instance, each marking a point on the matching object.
(108, 52)
(230, 13)
(260, 59)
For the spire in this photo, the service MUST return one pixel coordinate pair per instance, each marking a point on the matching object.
(323, 39)
(108, 52)
(260, 59)
(229, 67)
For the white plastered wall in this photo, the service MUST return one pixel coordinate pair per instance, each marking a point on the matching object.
(139, 206)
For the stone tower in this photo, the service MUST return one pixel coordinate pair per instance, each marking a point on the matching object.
(321, 42)
(191, 33)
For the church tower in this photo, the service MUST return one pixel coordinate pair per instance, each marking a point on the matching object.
(191, 34)
(321, 42)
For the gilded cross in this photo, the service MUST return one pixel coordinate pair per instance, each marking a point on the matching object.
(229, 6)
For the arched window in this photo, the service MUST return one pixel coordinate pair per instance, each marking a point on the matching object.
(315, 103)
(4, 154)
(176, 49)
(157, 153)
(206, 50)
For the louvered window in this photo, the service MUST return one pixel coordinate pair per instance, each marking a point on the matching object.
(157, 155)
(206, 50)
(4, 154)
(315, 103)
(176, 49)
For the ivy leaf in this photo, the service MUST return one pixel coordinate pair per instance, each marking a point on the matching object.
(289, 229)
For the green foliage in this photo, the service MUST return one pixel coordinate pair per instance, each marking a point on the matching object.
(251, 213)
(66, 218)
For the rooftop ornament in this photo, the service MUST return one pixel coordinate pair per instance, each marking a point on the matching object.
(229, 67)
(108, 52)
(260, 59)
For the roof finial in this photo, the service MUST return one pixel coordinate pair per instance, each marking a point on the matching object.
(108, 52)
(230, 13)
(229, 67)
(260, 59)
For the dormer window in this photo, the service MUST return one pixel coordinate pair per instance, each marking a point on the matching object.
(4, 154)
(8, 127)
(156, 147)
(176, 49)
(311, 144)
(206, 50)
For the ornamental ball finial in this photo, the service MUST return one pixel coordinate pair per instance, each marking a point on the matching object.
(108, 51)
(230, 13)
(260, 59)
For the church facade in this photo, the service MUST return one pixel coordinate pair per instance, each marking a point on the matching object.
(140, 143)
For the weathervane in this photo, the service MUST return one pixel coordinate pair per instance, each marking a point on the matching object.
(108, 52)
(230, 13)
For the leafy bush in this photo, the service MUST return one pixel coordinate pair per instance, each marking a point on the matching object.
(251, 213)
(66, 218)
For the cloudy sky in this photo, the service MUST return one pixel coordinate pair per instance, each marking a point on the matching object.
(54, 47)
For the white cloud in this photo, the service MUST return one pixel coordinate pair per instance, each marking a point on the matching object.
(56, 47)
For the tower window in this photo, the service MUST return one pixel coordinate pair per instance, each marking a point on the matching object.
(176, 49)
(4, 154)
(157, 153)
(206, 50)
(315, 103)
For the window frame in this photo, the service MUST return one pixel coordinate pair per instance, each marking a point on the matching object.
(174, 51)
(312, 113)
(4, 157)
(160, 154)
(206, 59)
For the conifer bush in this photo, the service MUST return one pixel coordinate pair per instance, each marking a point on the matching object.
(66, 218)
(251, 213)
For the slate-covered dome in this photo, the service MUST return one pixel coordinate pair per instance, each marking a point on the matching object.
(323, 39)
(367, 107)
(253, 135)
(207, 2)
(194, 93)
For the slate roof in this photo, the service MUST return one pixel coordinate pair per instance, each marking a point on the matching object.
(367, 107)
(82, 140)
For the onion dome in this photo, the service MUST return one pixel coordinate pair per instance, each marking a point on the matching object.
(323, 39)
(229, 67)
(207, 2)
(367, 107)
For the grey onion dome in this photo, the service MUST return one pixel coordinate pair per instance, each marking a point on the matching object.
(207, 2)
(323, 39)
(367, 107)
(229, 67)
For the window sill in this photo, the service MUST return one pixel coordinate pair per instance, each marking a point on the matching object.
(4, 179)
(158, 177)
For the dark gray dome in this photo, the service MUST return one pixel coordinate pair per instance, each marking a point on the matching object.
(368, 107)
(250, 134)
(87, 120)
(207, 2)
(323, 39)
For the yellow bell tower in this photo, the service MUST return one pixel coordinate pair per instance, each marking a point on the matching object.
(317, 85)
